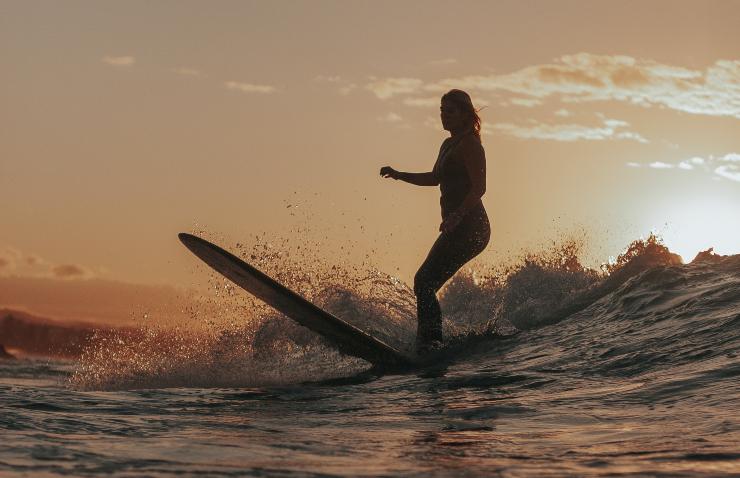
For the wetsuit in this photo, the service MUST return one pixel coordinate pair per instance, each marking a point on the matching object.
(451, 250)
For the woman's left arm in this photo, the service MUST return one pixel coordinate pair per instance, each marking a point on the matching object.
(474, 158)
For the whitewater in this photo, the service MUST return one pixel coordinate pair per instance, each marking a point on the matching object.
(553, 370)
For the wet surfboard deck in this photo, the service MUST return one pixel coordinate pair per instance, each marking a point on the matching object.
(342, 335)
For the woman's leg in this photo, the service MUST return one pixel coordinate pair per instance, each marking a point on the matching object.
(427, 281)
(448, 254)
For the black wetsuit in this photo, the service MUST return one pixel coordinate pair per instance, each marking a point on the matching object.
(452, 250)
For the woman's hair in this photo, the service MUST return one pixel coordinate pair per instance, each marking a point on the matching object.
(462, 100)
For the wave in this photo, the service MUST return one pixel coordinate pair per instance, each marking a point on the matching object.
(248, 344)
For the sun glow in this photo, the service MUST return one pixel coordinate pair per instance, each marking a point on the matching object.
(700, 225)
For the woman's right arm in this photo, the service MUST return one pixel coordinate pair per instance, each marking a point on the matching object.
(419, 179)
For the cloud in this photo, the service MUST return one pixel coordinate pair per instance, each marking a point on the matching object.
(614, 123)
(33, 265)
(553, 132)
(69, 271)
(250, 88)
(557, 75)
(586, 77)
(563, 113)
(187, 71)
(345, 87)
(630, 135)
(390, 87)
(525, 102)
(728, 171)
(727, 166)
(568, 132)
(125, 61)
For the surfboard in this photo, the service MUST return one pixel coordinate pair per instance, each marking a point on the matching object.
(341, 335)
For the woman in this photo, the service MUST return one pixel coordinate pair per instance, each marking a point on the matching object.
(460, 172)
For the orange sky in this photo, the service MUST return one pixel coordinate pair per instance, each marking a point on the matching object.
(125, 123)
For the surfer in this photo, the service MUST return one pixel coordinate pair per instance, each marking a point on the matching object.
(460, 172)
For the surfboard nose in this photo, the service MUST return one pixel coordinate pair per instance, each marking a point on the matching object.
(184, 236)
(189, 240)
(194, 243)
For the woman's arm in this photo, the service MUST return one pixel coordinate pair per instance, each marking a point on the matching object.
(418, 179)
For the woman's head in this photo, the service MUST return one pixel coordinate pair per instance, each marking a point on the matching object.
(458, 113)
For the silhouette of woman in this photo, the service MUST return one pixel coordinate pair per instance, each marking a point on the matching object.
(460, 172)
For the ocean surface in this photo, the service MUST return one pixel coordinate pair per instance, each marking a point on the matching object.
(641, 380)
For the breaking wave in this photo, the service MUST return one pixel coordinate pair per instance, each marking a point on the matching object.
(233, 340)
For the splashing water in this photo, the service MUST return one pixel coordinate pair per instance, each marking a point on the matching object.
(236, 340)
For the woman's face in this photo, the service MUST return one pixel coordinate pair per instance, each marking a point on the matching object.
(451, 116)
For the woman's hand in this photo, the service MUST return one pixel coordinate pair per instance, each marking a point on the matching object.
(388, 172)
(450, 223)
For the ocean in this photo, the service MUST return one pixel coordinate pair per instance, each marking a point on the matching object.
(565, 373)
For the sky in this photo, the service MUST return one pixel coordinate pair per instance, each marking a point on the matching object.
(124, 123)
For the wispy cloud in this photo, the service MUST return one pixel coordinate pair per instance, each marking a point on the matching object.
(728, 171)
(250, 87)
(692, 163)
(526, 102)
(390, 87)
(609, 130)
(585, 77)
(727, 166)
(124, 61)
(344, 87)
(32, 265)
